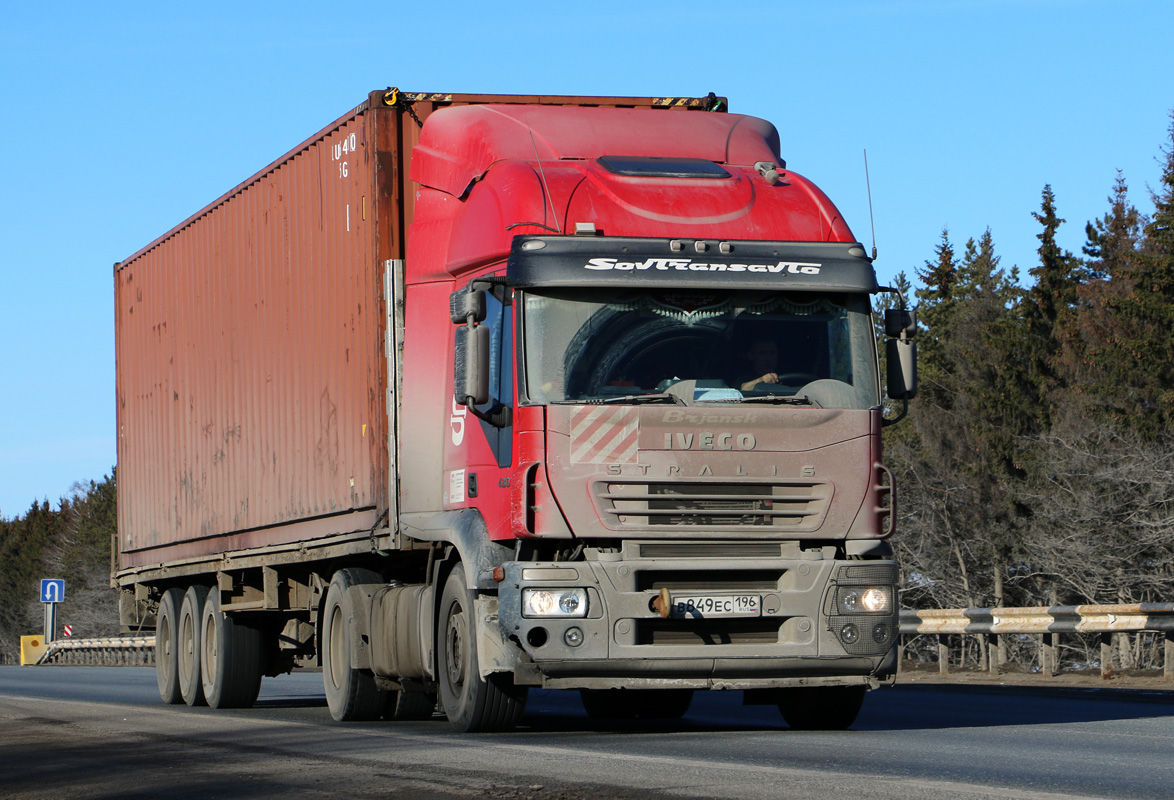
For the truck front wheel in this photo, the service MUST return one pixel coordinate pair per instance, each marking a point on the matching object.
(351, 693)
(471, 703)
(821, 708)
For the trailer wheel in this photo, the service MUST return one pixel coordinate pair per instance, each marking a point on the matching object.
(351, 693)
(821, 708)
(230, 658)
(188, 660)
(471, 703)
(628, 703)
(167, 646)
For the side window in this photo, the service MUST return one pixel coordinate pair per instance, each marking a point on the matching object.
(501, 371)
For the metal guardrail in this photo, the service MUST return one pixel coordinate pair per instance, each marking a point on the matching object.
(989, 623)
(110, 651)
(1047, 622)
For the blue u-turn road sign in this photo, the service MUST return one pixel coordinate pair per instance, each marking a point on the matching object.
(52, 590)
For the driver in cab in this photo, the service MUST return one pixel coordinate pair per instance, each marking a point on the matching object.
(764, 360)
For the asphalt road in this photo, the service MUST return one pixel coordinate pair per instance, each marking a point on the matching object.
(92, 732)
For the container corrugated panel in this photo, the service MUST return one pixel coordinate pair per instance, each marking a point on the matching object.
(250, 378)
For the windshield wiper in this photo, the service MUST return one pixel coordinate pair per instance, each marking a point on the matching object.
(659, 397)
(789, 400)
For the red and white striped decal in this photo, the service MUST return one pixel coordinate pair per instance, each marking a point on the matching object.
(69, 630)
(603, 435)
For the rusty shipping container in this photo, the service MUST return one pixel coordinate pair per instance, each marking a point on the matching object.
(251, 372)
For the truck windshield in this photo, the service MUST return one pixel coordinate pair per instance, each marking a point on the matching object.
(699, 346)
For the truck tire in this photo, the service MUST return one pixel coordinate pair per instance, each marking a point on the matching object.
(821, 708)
(351, 693)
(167, 646)
(471, 703)
(188, 666)
(230, 658)
(628, 703)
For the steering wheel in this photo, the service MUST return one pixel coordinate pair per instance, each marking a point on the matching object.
(796, 378)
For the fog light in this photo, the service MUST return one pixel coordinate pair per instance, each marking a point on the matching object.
(849, 634)
(573, 637)
(880, 633)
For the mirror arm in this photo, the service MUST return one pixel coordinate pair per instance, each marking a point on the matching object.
(500, 416)
(886, 422)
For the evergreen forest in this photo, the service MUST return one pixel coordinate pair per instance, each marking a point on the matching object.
(1035, 467)
(71, 541)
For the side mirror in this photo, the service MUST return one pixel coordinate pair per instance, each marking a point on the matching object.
(901, 352)
(901, 357)
(466, 303)
(471, 366)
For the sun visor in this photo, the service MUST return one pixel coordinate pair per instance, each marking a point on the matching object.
(640, 262)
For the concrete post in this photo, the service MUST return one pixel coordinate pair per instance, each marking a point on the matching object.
(1168, 657)
(1106, 655)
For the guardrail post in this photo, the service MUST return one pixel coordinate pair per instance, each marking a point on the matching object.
(1048, 655)
(1106, 655)
(1168, 657)
(992, 650)
(943, 656)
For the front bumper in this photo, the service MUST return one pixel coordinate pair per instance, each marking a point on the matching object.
(796, 638)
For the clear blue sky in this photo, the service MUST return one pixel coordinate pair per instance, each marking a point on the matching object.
(117, 122)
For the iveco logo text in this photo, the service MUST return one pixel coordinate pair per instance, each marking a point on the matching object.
(710, 441)
(688, 265)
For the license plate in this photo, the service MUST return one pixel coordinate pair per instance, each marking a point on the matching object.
(705, 606)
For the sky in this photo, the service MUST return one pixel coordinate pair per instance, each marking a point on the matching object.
(120, 120)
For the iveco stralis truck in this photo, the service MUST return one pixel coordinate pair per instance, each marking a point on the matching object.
(469, 394)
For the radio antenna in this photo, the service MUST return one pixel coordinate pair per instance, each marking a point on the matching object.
(545, 188)
(868, 184)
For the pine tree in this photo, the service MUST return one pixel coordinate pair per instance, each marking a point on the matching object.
(1113, 239)
(1055, 276)
(1089, 360)
(1045, 308)
(935, 310)
(1116, 355)
(959, 466)
(1147, 315)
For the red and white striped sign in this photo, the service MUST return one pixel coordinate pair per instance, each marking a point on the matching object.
(603, 435)
(68, 630)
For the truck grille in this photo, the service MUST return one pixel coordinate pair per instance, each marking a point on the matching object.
(792, 506)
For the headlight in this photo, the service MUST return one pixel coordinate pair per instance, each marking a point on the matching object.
(554, 602)
(865, 600)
